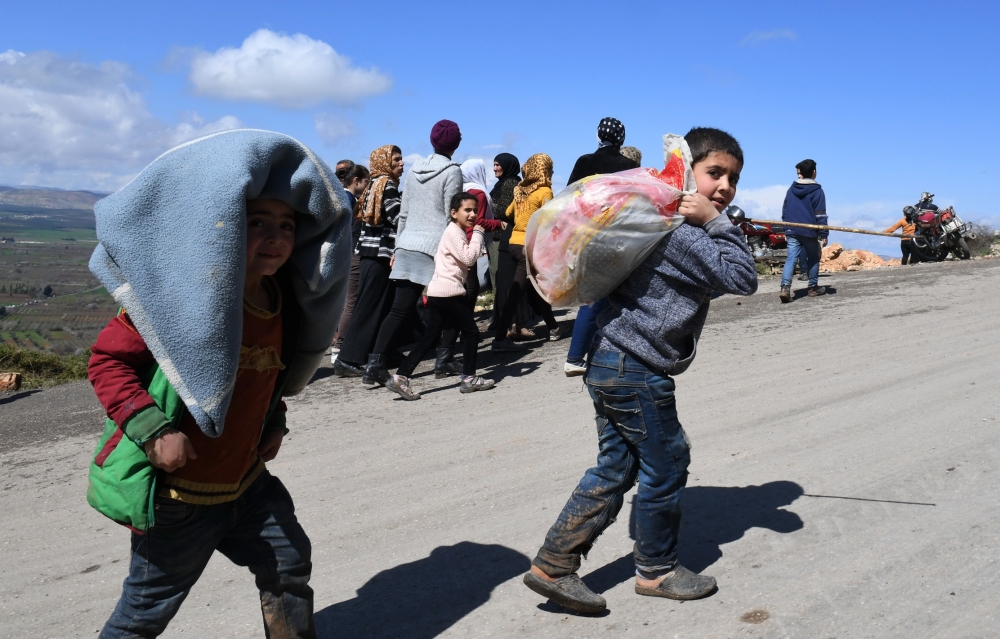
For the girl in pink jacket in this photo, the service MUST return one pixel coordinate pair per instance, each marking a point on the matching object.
(456, 252)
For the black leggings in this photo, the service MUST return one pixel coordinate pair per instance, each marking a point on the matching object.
(374, 295)
(446, 312)
(404, 302)
(521, 288)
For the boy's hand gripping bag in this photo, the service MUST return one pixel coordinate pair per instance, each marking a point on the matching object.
(586, 240)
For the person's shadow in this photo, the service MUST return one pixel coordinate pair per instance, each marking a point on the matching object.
(422, 599)
(713, 516)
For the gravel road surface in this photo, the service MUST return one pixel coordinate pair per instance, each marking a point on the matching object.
(843, 483)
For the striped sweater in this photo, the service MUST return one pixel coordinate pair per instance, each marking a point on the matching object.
(379, 240)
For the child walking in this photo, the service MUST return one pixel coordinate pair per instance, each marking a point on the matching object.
(446, 304)
(649, 334)
(188, 476)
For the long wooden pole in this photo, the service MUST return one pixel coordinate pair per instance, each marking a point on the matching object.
(824, 227)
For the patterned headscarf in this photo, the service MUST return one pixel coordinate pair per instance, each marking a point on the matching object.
(369, 206)
(611, 132)
(537, 173)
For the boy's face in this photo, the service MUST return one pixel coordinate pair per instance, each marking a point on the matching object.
(270, 235)
(716, 177)
(465, 216)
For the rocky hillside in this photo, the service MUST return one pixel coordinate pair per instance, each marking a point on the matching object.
(14, 198)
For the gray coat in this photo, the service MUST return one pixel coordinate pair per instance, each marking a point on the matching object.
(427, 194)
(656, 315)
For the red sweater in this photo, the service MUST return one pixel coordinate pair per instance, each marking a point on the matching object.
(225, 465)
(482, 206)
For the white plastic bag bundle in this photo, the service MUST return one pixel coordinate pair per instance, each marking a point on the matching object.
(595, 232)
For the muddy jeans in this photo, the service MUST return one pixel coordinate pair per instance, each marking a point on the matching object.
(258, 530)
(639, 437)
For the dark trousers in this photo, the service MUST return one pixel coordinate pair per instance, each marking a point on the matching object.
(446, 313)
(909, 257)
(259, 530)
(639, 438)
(506, 267)
(404, 303)
(584, 329)
(375, 290)
(521, 288)
(352, 296)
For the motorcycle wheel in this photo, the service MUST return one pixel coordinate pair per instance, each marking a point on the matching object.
(925, 253)
(962, 251)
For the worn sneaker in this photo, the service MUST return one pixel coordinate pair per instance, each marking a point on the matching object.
(680, 583)
(521, 334)
(559, 332)
(506, 346)
(343, 369)
(476, 383)
(401, 386)
(573, 369)
(785, 295)
(568, 591)
(816, 291)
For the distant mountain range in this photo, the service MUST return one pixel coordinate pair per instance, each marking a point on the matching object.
(35, 197)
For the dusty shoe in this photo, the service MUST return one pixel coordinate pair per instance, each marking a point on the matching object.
(573, 369)
(680, 583)
(521, 334)
(568, 591)
(444, 365)
(401, 386)
(343, 369)
(816, 291)
(558, 333)
(785, 295)
(506, 346)
(803, 277)
(476, 383)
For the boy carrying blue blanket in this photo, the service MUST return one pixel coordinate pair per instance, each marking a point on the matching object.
(648, 335)
(229, 256)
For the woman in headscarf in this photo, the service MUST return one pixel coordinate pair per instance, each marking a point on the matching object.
(377, 209)
(474, 177)
(529, 196)
(506, 168)
(424, 214)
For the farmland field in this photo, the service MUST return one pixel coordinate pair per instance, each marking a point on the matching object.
(49, 299)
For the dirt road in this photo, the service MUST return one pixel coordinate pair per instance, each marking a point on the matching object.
(844, 484)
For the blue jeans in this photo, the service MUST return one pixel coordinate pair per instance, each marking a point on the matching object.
(796, 246)
(584, 329)
(258, 530)
(639, 437)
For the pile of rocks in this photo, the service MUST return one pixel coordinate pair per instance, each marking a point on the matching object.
(836, 259)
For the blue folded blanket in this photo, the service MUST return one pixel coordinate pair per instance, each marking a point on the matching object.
(172, 252)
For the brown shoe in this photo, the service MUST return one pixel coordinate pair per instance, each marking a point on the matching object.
(816, 291)
(785, 295)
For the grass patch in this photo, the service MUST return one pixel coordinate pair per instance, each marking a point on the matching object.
(43, 369)
(764, 269)
(985, 237)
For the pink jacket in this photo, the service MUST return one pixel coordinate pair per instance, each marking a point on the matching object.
(454, 256)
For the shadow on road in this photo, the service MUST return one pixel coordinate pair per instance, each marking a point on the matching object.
(713, 516)
(18, 395)
(422, 599)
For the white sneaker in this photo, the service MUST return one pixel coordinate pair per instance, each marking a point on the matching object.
(333, 357)
(573, 370)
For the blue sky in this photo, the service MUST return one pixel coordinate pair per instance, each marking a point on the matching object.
(889, 98)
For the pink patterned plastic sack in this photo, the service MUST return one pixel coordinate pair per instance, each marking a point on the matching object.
(595, 232)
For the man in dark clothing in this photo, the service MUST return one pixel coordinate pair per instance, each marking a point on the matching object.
(607, 158)
(805, 203)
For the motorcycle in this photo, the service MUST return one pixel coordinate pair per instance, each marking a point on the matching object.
(939, 233)
(764, 241)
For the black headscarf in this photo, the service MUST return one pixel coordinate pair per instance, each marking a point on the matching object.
(510, 165)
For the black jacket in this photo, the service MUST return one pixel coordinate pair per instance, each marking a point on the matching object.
(607, 159)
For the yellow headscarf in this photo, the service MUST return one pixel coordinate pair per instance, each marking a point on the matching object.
(369, 206)
(537, 171)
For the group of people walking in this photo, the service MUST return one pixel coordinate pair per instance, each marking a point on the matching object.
(429, 234)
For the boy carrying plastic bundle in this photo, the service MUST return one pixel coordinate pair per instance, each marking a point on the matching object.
(230, 257)
(649, 334)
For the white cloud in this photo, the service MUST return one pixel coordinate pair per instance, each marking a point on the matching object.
(333, 129)
(764, 202)
(758, 37)
(290, 71)
(76, 124)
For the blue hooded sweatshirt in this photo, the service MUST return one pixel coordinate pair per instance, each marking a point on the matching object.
(805, 203)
